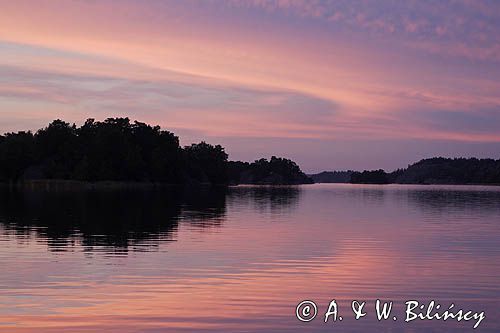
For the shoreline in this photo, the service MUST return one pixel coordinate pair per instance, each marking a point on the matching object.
(62, 184)
(420, 184)
(111, 184)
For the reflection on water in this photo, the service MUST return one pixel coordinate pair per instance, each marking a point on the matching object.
(240, 259)
(95, 220)
(275, 199)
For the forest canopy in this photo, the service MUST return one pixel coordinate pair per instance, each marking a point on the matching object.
(117, 149)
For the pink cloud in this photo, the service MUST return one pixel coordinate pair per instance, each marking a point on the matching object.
(216, 71)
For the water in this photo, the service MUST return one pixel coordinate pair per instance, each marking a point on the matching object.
(241, 259)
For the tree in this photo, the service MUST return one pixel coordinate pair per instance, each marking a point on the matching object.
(17, 152)
(207, 163)
(370, 177)
(57, 149)
(120, 150)
(275, 171)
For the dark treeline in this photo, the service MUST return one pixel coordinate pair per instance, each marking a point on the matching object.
(332, 177)
(437, 170)
(120, 150)
(370, 177)
(275, 171)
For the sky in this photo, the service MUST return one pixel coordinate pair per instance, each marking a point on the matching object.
(333, 85)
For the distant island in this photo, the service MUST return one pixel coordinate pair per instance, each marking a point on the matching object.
(117, 149)
(436, 170)
(332, 177)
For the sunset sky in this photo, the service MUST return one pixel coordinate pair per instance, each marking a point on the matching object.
(330, 84)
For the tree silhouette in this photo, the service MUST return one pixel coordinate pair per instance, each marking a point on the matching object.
(274, 171)
(17, 152)
(437, 170)
(117, 149)
(207, 163)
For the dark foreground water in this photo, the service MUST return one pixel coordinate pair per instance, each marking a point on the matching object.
(241, 259)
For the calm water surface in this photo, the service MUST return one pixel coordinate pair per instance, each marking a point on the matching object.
(241, 259)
